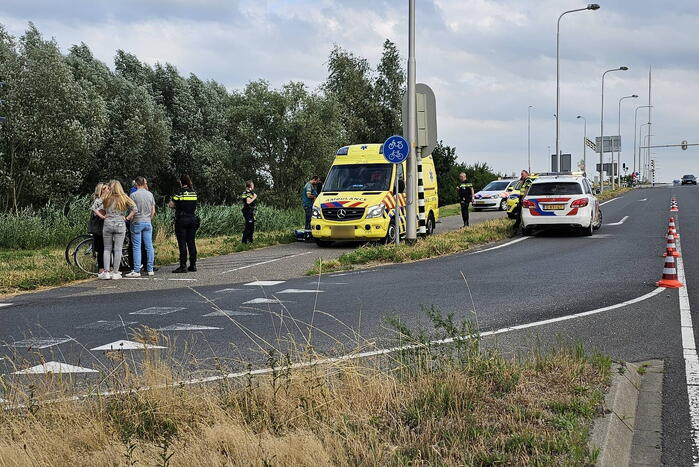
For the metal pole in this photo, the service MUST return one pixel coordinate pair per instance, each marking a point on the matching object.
(618, 155)
(635, 133)
(601, 124)
(529, 139)
(641, 165)
(396, 212)
(411, 166)
(584, 144)
(650, 106)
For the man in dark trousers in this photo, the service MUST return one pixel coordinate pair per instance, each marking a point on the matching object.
(308, 196)
(465, 196)
(523, 176)
(249, 198)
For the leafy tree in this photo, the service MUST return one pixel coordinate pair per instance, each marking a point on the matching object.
(389, 88)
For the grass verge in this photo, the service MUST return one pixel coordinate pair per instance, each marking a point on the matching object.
(427, 405)
(609, 194)
(429, 247)
(25, 270)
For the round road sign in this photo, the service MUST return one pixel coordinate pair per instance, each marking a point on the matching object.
(396, 149)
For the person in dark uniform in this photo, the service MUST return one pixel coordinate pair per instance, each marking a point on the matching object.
(465, 196)
(249, 199)
(523, 176)
(186, 224)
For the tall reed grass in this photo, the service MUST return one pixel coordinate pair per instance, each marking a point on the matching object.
(54, 225)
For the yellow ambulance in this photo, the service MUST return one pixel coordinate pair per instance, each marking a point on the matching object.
(357, 201)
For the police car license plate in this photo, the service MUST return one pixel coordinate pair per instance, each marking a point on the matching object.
(553, 207)
(479, 202)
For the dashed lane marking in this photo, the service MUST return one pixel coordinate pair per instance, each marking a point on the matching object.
(38, 343)
(157, 310)
(299, 291)
(187, 327)
(2, 305)
(610, 200)
(689, 351)
(229, 313)
(54, 367)
(264, 283)
(182, 279)
(226, 290)
(623, 219)
(127, 345)
(266, 262)
(262, 300)
(521, 239)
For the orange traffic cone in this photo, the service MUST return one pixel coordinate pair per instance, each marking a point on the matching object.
(672, 227)
(673, 206)
(669, 279)
(671, 248)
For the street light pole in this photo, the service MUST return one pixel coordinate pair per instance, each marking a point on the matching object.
(584, 144)
(641, 166)
(591, 6)
(601, 124)
(635, 132)
(618, 155)
(411, 166)
(529, 138)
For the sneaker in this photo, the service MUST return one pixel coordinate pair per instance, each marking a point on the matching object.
(104, 276)
(151, 273)
(180, 270)
(133, 274)
(192, 268)
(116, 275)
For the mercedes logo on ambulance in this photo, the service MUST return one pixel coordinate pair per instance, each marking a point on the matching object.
(341, 213)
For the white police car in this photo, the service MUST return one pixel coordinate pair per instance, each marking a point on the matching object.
(493, 195)
(561, 201)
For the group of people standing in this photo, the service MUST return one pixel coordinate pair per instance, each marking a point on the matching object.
(116, 214)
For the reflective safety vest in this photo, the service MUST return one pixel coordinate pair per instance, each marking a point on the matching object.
(465, 191)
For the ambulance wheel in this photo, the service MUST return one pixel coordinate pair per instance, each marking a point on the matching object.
(431, 224)
(323, 243)
(390, 234)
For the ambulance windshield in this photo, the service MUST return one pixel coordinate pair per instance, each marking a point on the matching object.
(358, 177)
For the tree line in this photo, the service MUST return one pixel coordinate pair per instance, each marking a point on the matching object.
(72, 121)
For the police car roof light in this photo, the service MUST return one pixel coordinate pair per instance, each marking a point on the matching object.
(342, 151)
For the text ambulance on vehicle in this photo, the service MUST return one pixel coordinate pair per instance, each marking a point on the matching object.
(357, 202)
(564, 201)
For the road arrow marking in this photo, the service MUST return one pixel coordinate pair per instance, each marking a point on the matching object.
(262, 300)
(127, 345)
(620, 222)
(264, 283)
(54, 367)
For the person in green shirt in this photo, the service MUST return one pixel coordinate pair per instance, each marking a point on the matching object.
(308, 197)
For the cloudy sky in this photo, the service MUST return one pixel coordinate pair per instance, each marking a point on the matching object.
(487, 60)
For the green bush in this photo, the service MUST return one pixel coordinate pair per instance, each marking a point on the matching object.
(54, 226)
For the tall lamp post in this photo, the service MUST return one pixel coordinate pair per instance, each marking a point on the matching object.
(529, 138)
(641, 165)
(584, 144)
(635, 132)
(591, 6)
(618, 154)
(601, 124)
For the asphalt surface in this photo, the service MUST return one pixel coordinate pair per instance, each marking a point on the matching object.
(549, 276)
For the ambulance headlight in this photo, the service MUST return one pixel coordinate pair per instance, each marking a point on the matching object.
(316, 213)
(375, 211)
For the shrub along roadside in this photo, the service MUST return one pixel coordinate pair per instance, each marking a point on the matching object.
(609, 194)
(429, 247)
(454, 404)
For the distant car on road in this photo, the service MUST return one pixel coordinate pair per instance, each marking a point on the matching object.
(677, 182)
(561, 201)
(689, 180)
(493, 196)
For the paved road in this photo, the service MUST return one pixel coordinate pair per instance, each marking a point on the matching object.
(548, 277)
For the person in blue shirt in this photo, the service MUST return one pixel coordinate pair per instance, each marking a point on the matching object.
(308, 196)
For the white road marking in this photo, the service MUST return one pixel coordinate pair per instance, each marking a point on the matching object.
(182, 279)
(689, 351)
(157, 310)
(623, 219)
(517, 240)
(266, 262)
(226, 290)
(229, 313)
(609, 201)
(39, 343)
(300, 291)
(127, 345)
(107, 325)
(262, 300)
(187, 327)
(5, 304)
(264, 283)
(644, 199)
(135, 278)
(54, 367)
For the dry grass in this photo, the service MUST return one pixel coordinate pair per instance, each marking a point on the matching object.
(429, 247)
(444, 405)
(609, 194)
(24, 270)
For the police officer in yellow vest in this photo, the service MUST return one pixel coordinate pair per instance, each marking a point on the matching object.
(465, 196)
(249, 199)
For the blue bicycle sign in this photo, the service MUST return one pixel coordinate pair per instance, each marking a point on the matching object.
(396, 149)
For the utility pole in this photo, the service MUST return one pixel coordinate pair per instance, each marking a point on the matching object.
(411, 166)
(529, 138)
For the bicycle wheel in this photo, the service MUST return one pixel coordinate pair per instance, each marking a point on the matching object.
(71, 245)
(85, 257)
(126, 254)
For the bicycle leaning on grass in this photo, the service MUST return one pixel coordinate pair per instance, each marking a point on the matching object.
(80, 253)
